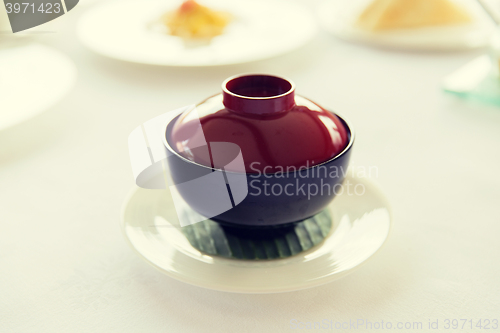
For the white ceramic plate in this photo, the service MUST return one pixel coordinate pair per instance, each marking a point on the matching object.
(126, 30)
(33, 78)
(338, 17)
(361, 226)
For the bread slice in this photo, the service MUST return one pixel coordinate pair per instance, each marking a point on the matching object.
(408, 14)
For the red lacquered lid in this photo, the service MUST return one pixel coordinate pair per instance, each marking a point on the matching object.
(276, 130)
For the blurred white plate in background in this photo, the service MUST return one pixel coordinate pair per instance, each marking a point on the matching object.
(338, 17)
(260, 29)
(33, 78)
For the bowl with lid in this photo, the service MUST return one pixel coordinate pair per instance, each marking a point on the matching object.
(258, 154)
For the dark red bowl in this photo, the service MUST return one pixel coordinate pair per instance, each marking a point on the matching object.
(257, 198)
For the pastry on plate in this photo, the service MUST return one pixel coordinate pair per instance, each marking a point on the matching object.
(194, 21)
(383, 15)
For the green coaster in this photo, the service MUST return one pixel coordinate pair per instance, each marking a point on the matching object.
(258, 243)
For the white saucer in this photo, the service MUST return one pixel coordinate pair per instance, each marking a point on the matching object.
(33, 78)
(361, 226)
(338, 17)
(260, 29)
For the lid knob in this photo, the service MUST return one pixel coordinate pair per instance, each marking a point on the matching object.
(258, 94)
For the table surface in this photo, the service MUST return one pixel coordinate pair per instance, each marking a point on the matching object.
(65, 266)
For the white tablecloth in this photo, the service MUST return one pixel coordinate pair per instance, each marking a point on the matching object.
(64, 264)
